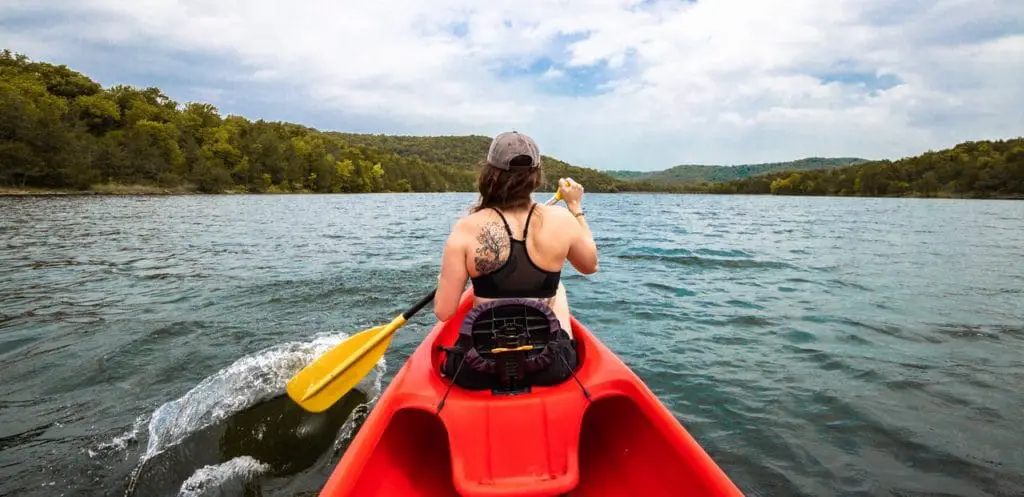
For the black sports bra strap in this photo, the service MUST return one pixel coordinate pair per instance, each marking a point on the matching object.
(527, 225)
(507, 228)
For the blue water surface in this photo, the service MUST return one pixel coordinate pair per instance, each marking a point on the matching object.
(813, 346)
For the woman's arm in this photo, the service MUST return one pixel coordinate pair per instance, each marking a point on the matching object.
(583, 250)
(452, 280)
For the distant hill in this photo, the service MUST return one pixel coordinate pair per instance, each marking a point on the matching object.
(980, 169)
(691, 173)
(465, 153)
(630, 175)
(462, 152)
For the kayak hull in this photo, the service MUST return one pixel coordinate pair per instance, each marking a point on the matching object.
(547, 442)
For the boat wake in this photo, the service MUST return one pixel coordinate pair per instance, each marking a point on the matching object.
(238, 425)
(243, 384)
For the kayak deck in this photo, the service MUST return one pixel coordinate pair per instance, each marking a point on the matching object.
(547, 442)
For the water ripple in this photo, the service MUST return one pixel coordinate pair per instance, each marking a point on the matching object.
(814, 346)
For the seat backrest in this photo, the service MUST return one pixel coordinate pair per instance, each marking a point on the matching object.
(510, 337)
(510, 323)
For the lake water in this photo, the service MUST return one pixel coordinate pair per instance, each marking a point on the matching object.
(813, 346)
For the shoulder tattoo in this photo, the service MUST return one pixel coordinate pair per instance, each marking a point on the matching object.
(493, 243)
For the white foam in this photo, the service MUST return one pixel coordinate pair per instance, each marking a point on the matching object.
(348, 428)
(215, 476)
(244, 383)
(121, 441)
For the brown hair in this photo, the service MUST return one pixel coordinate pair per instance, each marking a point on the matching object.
(507, 190)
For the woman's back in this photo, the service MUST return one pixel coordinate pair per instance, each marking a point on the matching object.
(503, 263)
(492, 235)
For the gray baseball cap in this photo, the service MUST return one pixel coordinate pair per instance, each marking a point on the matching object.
(511, 144)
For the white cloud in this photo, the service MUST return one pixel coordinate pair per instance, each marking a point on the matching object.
(716, 81)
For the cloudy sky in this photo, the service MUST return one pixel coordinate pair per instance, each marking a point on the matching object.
(610, 84)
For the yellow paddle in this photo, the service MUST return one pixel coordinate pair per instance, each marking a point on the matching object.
(327, 379)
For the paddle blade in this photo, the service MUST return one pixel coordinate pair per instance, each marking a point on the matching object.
(332, 375)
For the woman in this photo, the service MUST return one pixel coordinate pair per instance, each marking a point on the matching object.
(510, 246)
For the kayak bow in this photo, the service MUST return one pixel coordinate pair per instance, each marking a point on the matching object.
(547, 442)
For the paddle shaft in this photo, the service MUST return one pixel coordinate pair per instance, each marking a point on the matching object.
(430, 296)
(419, 305)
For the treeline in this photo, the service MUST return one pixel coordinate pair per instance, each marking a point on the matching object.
(466, 153)
(462, 152)
(971, 169)
(697, 174)
(60, 129)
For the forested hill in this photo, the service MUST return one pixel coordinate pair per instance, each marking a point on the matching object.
(462, 152)
(61, 130)
(466, 152)
(695, 174)
(970, 169)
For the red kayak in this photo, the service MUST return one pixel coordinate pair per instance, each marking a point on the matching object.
(546, 441)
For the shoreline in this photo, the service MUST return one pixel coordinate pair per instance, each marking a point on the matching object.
(141, 190)
(8, 191)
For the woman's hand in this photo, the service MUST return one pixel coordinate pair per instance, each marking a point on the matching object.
(572, 192)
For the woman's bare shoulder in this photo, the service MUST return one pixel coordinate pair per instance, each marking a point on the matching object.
(559, 214)
(553, 222)
(469, 225)
(472, 220)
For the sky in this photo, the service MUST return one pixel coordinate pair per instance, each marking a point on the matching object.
(607, 84)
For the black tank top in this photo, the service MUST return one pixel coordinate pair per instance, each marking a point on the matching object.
(518, 277)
